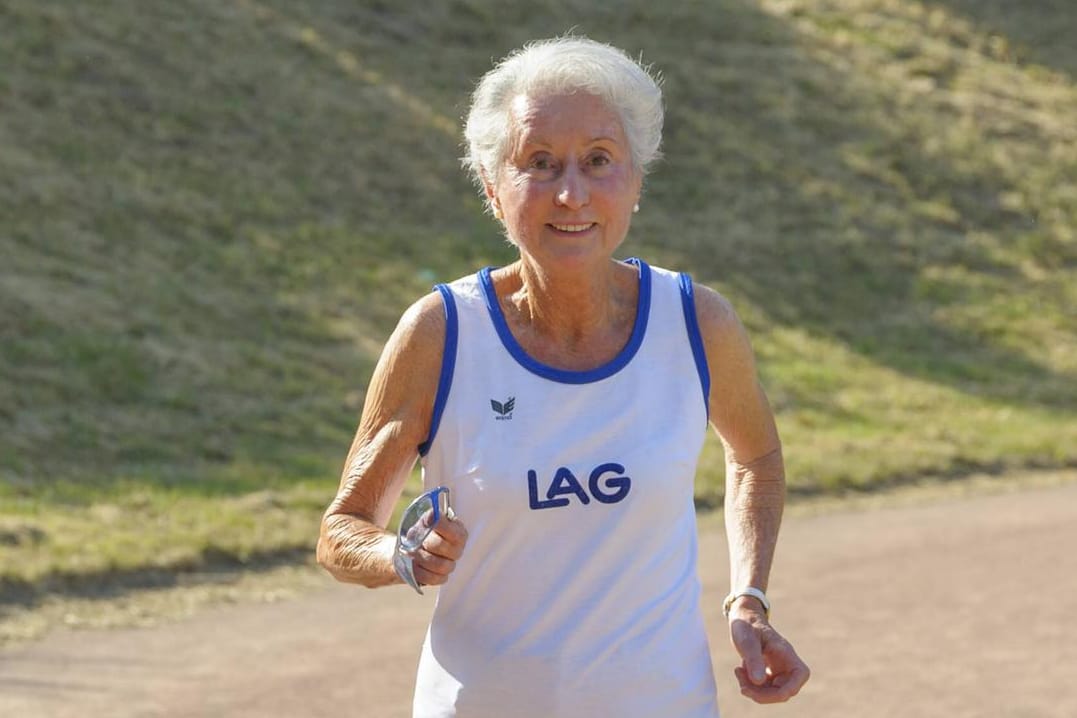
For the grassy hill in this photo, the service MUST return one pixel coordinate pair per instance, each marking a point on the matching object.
(213, 213)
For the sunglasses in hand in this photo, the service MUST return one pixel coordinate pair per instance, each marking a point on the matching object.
(416, 523)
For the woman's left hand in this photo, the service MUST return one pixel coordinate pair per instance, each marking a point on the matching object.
(771, 671)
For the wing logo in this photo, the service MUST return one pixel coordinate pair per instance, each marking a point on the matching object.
(503, 411)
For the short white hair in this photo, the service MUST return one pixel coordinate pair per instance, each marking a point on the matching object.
(563, 65)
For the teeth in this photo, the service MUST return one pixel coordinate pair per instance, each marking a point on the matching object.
(572, 227)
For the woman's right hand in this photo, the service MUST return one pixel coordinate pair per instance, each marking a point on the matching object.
(440, 550)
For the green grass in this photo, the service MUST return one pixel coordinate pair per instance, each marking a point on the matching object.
(213, 214)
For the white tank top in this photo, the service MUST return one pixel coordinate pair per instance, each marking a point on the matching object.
(577, 594)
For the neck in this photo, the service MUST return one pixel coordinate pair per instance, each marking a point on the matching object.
(570, 305)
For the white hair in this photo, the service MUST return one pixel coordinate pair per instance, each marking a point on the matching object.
(563, 65)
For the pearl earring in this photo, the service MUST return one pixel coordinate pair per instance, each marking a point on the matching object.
(636, 208)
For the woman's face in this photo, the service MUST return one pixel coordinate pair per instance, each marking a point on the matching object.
(568, 186)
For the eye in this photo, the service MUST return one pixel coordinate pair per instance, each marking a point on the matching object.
(599, 160)
(542, 163)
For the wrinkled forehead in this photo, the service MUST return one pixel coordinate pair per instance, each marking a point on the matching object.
(557, 120)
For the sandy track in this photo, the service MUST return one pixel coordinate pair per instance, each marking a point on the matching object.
(961, 607)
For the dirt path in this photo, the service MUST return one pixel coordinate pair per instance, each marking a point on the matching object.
(960, 607)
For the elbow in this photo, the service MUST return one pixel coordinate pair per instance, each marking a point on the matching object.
(326, 553)
(759, 480)
(322, 554)
(768, 468)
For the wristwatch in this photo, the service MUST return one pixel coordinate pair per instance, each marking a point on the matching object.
(749, 591)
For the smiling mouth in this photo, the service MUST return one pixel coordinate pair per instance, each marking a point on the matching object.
(573, 228)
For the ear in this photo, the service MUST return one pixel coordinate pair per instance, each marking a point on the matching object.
(488, 189)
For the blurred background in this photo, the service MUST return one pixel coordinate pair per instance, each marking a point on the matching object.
(213, 213)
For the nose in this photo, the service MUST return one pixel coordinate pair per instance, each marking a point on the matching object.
(573, 192)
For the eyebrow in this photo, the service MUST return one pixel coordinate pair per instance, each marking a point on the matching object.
(594, 140)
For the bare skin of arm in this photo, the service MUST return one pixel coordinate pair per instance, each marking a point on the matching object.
(771, 671)
(354, 545)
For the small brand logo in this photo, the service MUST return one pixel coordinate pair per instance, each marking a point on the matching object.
(503, 411)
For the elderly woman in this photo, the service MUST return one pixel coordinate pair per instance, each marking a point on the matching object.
(564, 400)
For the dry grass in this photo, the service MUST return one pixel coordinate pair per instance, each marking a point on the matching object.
(214, 212)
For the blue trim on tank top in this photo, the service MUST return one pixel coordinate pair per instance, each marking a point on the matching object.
(448, 365)
(565, 376)
(688, 303)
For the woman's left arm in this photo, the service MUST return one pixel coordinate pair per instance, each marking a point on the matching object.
(770, 671)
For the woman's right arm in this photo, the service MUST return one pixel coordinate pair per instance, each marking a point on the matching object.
(354, 545)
